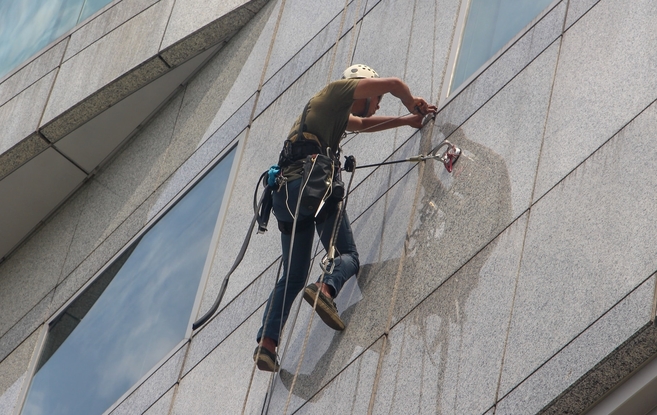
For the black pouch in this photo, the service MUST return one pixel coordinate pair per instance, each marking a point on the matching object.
(316, 181)
(320, 183)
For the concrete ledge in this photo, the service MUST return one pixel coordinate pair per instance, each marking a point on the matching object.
(104, 98)
(588, 389)
(216, 32)
(21, 153)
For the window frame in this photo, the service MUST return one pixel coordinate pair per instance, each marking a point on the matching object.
(236, 144)
(446, 96)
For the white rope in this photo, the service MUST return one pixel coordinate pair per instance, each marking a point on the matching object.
(248, 130)
(336, 225)
(335, 228)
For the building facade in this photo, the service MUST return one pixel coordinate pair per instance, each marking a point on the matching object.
(522, 282)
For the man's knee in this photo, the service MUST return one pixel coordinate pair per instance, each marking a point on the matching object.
(286, 227)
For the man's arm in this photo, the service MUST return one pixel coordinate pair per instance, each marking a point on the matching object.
(375, 123)
(373, 87)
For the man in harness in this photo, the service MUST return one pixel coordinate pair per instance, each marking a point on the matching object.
(347, 104)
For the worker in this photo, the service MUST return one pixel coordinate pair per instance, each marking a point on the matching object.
(346, 104)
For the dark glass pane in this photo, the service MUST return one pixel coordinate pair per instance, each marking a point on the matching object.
(490, 25)
(27, 26)
(133, 315)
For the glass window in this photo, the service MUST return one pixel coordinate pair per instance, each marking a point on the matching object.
(491, 24)
(27, 26)
(133, 314)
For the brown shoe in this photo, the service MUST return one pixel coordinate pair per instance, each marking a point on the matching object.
(326, 308)
(265, 360)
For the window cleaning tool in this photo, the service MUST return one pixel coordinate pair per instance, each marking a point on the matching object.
(445, 152)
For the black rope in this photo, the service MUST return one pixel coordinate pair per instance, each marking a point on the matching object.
(198, 323)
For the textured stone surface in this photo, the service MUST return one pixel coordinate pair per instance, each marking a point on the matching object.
(577, 8)
(153, 388)
(14, 366)
(20, 331)
(227, 392)
(458, 213)
(611, 371)
(445, 356)
(21, 153)
(71, 282)
(230, 316)
(294, 39)
(190, 32)
(281, 74)
(601, 84)
(191, 168)
(161, 407)
(84, 108)
(118, 189)
(588, 247)
(102, 24)
(33, 271)
(92, 143)
(370, 184)
(20, 116)
(107, 71)
(511, 125)
(589, 243)
(9, 398)
(249, 59)
(433, 24)
(598, 341)
(347, 393)
(33, 71)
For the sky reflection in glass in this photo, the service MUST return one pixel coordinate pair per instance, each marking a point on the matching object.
(27, 26)
(490, 25)
(142, 314)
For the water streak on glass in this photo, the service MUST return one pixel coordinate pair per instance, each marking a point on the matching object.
(490, 25)
(27, 26)
(135, 313)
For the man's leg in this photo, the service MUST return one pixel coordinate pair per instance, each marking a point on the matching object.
(288, 286)
(346, 265)
(286, 289)
(346, 260)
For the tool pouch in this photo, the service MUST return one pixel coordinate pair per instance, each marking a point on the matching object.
(319, 183)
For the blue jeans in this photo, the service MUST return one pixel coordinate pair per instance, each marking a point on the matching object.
(346, 260)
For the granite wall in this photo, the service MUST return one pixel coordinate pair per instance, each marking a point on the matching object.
(523, 282)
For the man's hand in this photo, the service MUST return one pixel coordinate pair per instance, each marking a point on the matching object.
(420, 106)
(414, 120)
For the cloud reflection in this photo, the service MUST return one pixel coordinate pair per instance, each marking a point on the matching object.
(27, 26)
(142, 314)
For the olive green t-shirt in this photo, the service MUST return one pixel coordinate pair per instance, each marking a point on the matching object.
(327, 117)
(328, 112)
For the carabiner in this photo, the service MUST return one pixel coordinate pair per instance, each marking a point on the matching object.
(449, 157)
(327, 265)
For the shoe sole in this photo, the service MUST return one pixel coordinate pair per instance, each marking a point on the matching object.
(264, 362)
(324, 311)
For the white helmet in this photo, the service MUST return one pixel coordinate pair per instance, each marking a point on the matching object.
(359, 71)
